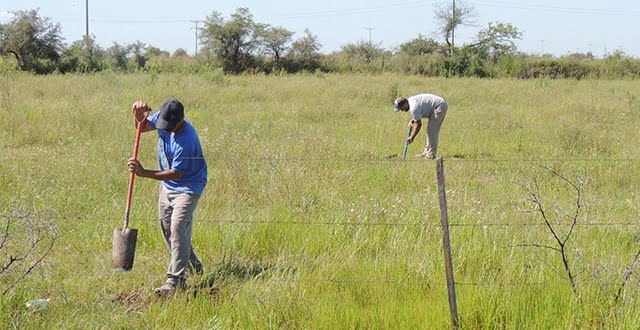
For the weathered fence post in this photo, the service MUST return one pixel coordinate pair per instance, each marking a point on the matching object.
(446, 243)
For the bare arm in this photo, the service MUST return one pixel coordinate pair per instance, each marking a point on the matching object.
(136, 167)
(168, 175)
(417, 124)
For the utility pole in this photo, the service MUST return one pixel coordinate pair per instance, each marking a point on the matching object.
(542, 47)
(86, 18)
(196, 29)
(453, 26)
(87, 41)
(370, 50)
(370, 29)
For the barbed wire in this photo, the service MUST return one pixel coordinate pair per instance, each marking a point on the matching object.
(417, 282)
(383, 224)
(396, 158)
(392, 158)
(420, 282)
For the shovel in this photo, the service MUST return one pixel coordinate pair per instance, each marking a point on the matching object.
(124, 239)
(406, 144)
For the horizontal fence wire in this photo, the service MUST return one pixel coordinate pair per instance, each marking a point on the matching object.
(383, 224)
(416, 282)
(391, 158)
(425, 282)
(395, 158)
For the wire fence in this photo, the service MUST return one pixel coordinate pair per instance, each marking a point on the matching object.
(393, 224)
(395, 159)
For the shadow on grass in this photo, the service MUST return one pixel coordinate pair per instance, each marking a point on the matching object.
(211, 284)
(229, 271)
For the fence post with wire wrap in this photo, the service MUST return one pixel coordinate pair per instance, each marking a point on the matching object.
(446, 243)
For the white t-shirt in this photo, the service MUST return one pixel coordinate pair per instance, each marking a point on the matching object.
(423, 105)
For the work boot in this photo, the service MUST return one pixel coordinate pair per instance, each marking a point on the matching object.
(427, 155)
(170, 287)
(165, 289)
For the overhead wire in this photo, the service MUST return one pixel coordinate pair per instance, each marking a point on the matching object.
(559, 9)
(382, 8)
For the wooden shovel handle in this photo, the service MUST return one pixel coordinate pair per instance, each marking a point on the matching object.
(132, 177)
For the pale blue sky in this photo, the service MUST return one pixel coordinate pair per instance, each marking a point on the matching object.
(557, 27)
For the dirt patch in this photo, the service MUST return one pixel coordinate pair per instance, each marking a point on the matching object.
(214, 293)
(131, 301)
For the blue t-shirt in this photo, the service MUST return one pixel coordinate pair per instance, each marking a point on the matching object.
(182, 152)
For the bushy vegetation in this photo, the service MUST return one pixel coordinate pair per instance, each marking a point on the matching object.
(239, 45)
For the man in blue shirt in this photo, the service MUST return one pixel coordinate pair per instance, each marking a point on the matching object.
(183, 175)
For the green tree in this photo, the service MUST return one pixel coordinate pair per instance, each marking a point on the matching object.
(180, 52)
(34, 41)
(232, 41)
(82, 56)
(362, 51)
(116, 56)
(304, 52)
(421, 46)
(497, 40)
(275, 41)
(151, 51)
(137, 58)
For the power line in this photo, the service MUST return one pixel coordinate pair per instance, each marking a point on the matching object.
(356, 11)
(372, 9)
(568, 10)
(139, 21)
(499, 4)
(113, 19)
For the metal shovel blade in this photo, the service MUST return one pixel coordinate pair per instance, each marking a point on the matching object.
(406, 144)
(124, 248)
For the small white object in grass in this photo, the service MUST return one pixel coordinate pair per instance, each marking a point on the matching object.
(37, 304)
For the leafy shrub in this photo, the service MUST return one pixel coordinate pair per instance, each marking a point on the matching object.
(8, 64)
(554, 69)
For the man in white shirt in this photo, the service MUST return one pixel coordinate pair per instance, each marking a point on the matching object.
(429, 106)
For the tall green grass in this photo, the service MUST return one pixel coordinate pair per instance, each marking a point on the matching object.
(309, 220)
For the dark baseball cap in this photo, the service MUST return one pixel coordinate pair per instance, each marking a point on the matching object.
(171, 112)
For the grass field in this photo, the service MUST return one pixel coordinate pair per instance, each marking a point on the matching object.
(308, 221)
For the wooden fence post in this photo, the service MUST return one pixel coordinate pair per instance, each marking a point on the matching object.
(446, 243)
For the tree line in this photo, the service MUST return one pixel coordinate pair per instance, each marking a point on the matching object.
(238, 44)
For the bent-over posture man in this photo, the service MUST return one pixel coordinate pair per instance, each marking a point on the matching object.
(420, 106)
(183, 175)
